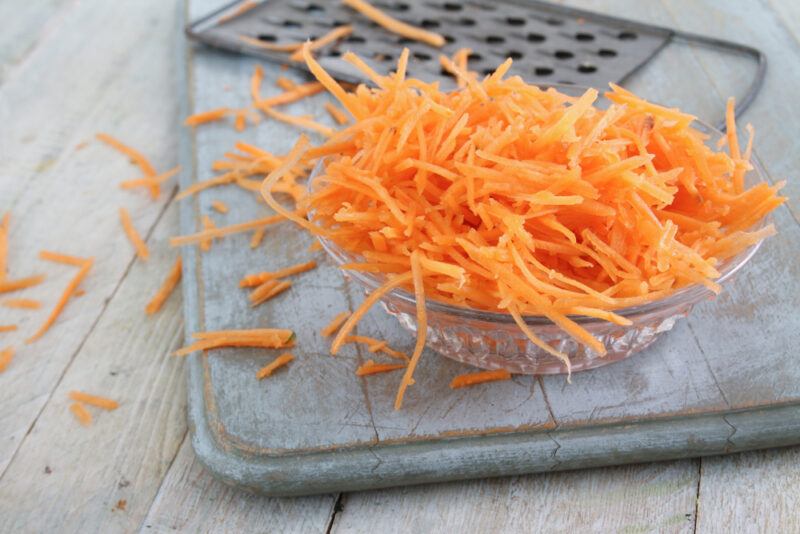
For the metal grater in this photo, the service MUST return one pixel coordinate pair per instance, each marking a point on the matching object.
(549, 43)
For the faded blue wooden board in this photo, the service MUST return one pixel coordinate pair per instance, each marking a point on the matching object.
(316, 428)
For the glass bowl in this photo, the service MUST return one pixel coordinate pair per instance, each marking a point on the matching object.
(491, 340)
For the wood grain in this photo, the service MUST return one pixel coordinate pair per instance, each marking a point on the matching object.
(124, 454)
(634, 498)
(191, 500)
(67, 200)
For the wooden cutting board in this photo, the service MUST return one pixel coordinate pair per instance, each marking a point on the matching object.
(724, 380)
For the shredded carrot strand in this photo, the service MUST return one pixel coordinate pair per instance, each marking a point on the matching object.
(224, 231)
(258, 237)
(219, 206)
(394, 25)
(94, 400)
(471, 379)
(257, 43)
(285, 83)
(335, 323)
(63, 299)
(81, 413)
(422, 328)
(275, 364)
(8, 327)
(7, 286)
(207, 116)
(135, 156)
(6, 355)
(166, 289)
(337, 114)
(372, 368)
(4, 223)
(136, 240)
(242, 8)
(27, 304)
(333, 35)
(253, 280)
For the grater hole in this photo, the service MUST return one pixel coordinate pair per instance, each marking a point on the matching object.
(514, 54)
(451, 6)
(535, 38)
(429, 23)
(382, 57)
(554, 22)
(405, 41)
(484, 7)
(586, 68)
(334, 53)
(564, 54)
(495, 39)
(310, 8)
(566, 82)
(515, 21)
(290, 24)
(606, 52)
(583, 36)
(626, 36)
(543, 71)
(267, 37)
(422, 56)
(467, 22)
(474, 57)
(488, 72)
(355, 39)
(449, 39)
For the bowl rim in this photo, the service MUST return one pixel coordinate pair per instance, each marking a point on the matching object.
(689, 294)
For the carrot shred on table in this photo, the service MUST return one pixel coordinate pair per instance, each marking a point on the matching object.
(258, 237)
(337, 114)
(81, 413)
(8, 327)
(373, 345)
(94, 400)
(275, 364)
(7, 286)
(285, 83)
(134, 155)
(268, 338)
(422, 328)
(242, 8)
(4, 223)
(394, 25)
(166, 289)
(253, 280)
(66, 259)
(330, 328)
(65, 295)
(136, 240)
(300, 122)
(149, 181)
(333, 35)
(372, 368)
(268, 290)
(26, 304)
(299, 92)
(208, 224)
(6, 355)
(207, 116)
(219, 206)
(255, 84)
(471, 379)
(273, 47)
(224, 231)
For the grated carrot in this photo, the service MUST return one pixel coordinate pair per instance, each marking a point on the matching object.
(81, 413)
(301, 122)
(335, 323)
(7, 286)
(219, 206)
(208, 224)
(470, 379)
(257, 43)
(136, 240)
(333, 35)
(65, 296)
(27, 304)
(267, 290)
(253, 280)
(285, 83)
(224, 231)
(207, 116)
(268, 338)
(394, 25)
(258, 237)
(8, 327)
(166, 289)
(151, 181)
(298, 93)
(134, 155)
(66, 259)
(6, 355)
(242, 8)
(271, 367)
(4, 223)
(94, 400)
(371, 368)
(336, 113)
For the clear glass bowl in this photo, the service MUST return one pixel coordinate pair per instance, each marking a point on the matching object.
(491, 340)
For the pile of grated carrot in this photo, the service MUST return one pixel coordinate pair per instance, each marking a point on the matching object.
(508, 197)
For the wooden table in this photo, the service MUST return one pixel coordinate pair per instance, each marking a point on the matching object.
(69, 69)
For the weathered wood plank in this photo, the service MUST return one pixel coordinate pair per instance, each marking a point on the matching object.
(191, 500)
(67, 200)
(82, 473)
(636, 498)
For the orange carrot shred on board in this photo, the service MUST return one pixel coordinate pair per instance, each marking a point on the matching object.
(258, 237)
(65, 259)
(8, 327)
(219, 206)
(394, 25)
(268, 290)
(166, 289)
(6, 355)
(64, 298)
(224, 231)
(268, 338)
(94, 400)
(136, 240)
(4, 223)
(242, 8)
(150, 181)
(301, 122)
(253, 280)
(25, 304)
(255, 84)
(273, 47)
(208, 224)
(299, 92)
(471, 379)
(81, 413)
(6, 286)
(372, 368)
(207, 116)
(285, 83)
(335, 323)
(134, 155)
(336, 113)
(274, 365)
(333, 35)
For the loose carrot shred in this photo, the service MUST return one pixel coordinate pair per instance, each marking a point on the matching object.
(394, 25)
(302, 122)
(208, 225)
(4, 223)
(65, 296)
(298, 93)
(135, 156)
(336, 113)
(257, 43)
(27, 304)
(372, 368)
(422, 328)
(242, 8)
(224, 231)
(58, 257)
(136, 240)
(470, 379)
(335, 323)
(150, 181)
(8, 327)
(267, 290)
(258, 237)
(253, 280)
(81, 413)
(170, 282)
(207, 116)
(333, 35)
(219, 206)
(285, 83)
(94, 400)
(268, 338)
(275, 364)
(6, 286)
(6, 355)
